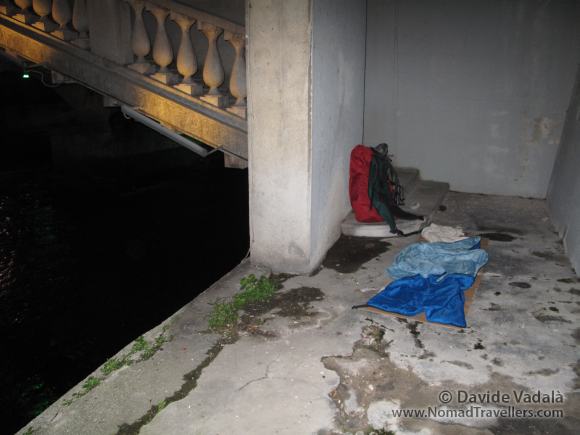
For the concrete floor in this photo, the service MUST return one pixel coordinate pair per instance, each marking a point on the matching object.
(307, 363)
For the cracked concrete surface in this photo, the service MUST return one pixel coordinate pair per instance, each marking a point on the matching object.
(308, 363)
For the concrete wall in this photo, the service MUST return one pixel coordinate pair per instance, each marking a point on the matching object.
(564, 192)
(472, 92)
(305, 61)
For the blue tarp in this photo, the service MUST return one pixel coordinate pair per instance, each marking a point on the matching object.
(432, 278)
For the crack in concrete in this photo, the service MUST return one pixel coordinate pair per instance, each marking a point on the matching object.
(190, 383)
(54, 416)
(261, 378)
(296, 301)
(412, 327)
(373, 322)
(459, 364)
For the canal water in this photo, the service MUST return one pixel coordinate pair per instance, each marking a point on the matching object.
(93, 255)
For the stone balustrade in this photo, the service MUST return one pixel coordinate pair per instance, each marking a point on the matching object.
(155, 58)
(67, 20)
(176, 66)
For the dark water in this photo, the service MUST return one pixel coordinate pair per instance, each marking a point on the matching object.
(92, 257)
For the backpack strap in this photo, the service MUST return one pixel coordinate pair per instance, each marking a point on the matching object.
(378, 188)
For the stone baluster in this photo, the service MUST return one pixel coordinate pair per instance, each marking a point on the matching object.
(42, 8)
(238, 76)
(162, 51)
(62, 14)
(186, 59)
(140, 42)
(80, 21)
(7, 8)
(213, 72)
(24, 14)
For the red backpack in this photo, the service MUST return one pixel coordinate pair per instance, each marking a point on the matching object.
(358, 185)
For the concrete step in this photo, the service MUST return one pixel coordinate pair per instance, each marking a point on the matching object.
(425, 197)
(351, 227)
(408, 178)
(422, 198)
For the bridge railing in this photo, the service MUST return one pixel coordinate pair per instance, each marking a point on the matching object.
(174, 65)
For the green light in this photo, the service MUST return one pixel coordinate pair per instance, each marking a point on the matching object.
(25, 76)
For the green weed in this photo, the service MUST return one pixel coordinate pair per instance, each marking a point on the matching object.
(147, 353)
(148, 349)
(139, 344)
(90, 383)
(161, 405)
(253, 289)
(223, 315)
(111, 365)
(145, 349)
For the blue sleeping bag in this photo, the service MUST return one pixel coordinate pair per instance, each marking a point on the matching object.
(463, 256)
(440, 297)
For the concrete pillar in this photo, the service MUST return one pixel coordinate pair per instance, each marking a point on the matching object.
(305, 109)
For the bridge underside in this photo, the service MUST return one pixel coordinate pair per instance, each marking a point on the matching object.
(173, 109)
